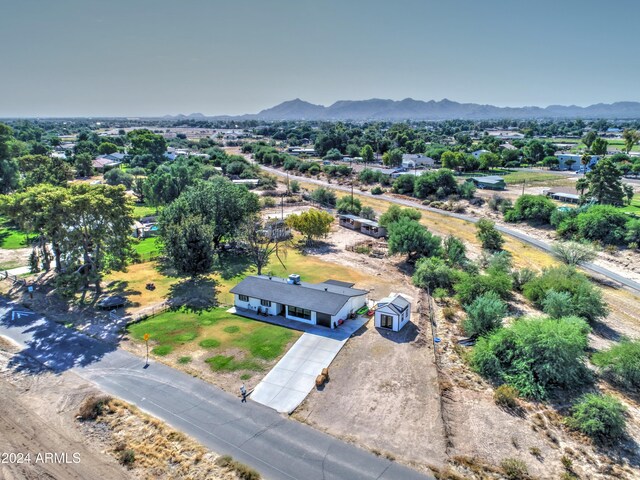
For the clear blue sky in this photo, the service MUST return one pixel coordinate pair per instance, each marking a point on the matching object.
(155, 57)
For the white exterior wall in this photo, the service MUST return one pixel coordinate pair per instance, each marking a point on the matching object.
(398, 322)
(353, 304)
(254, 304)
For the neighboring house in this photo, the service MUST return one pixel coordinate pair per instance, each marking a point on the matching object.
(477, 153)
(326, 304)
(490, 182)
(309, 152)
(362, 225)
(105, 162)
(572, 161)
(414, 160)
(567, 195)
(392, 312)
(507, 146)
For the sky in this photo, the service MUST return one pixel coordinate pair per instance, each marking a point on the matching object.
(156, 57)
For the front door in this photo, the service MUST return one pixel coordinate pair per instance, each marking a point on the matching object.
(386, 321)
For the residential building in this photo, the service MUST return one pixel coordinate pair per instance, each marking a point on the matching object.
(392, 312)
(107, 162)
(489, 182)
(362, 225)
(573, 161)
(567, 195)
(326, 304)
(478, 153)
(414, 160)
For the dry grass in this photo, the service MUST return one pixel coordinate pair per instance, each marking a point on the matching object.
(153, 450)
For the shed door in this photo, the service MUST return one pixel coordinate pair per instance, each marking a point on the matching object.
(323, 319)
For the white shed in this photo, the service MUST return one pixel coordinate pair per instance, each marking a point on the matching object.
(392, 312)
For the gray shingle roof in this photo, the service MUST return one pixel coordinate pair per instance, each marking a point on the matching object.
(325, 297)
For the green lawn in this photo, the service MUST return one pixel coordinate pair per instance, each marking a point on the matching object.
(233, 343)
(635, 205)
(140, 211)
(147, 247)
(11, 237)
(531, 177)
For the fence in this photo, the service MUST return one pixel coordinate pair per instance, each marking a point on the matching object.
(14, 278)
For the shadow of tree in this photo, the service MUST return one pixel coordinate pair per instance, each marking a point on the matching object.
(193, 294)
(52, 345)
(230, 265)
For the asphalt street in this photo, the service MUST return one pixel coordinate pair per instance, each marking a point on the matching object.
(271, 443)
(588, 267)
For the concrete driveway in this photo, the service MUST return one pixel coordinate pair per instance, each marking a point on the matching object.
(294, 376)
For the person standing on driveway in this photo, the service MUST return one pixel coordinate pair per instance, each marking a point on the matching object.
(243, 392)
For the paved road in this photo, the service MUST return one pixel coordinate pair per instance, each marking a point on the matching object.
(588, 267)
(279, 448)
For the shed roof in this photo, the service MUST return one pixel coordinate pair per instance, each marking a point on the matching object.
(488, 179)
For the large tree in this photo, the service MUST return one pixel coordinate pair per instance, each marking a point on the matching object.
(599, 147)
(188, 245)
(408, 237)
(9, 177)
(264, 239)
(218, 202)
(605, 183)
(44, 169)
(312, 224)
(631, 137)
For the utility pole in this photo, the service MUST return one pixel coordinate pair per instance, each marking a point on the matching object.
(523, 184)
(282, 207)
(351, 163)
(146, 341)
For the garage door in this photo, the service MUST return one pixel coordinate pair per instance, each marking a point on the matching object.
(323, 319)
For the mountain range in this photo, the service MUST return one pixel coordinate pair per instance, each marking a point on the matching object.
(410, 109)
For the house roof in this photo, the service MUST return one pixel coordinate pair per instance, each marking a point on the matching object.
(102, 162)
(395, 302)
(339, 283)
(488, 179)
(325, 297)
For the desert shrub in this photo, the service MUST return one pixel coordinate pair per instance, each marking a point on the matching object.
(268, 202)
(506, 396)
(574, 253)
(349, 205)
(604, 223)
(467, 190)
(560, 216)
(632, 235)
(404, 184)
(484, 314)
(413, 239)
(498, 203)
(127, 457)
(377, 190)
(184, 360)
(454, 251)
(557, 304)
(586, 299)
(488, 235)
(324, 196)
(599, 416)
(499, 261)
(92, 406)
(621, 363)
(440, 294)
(242, 471)
(369, 176)
(514, 469)
(521, 277)
(395, 213)
(291, 164)
(432, 273)
(471, 286)
(449, 313)
(294, 186)
(533, 208)
(535, 355)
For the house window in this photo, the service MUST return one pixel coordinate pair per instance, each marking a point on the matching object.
(386, 321)
(265, 303)
(243, 298)
(299, 312)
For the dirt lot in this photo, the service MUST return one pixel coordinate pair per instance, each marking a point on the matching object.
(38, 415)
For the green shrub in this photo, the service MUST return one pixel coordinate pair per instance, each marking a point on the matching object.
(231, 329)
(621, 363)
(498, 203)
(586, 299)
(574, 253)
(506, 396)
(184, 360)
(489, 236)
(127, 457)
(470, 286)
(514, 469)
(535, 355)
(484, 314)
(377, 190)
(324, 196)
(599, 416)
(433, 273)
(602, 222)
(534, 208)
(521, 277)
(349, 205)
(557, 304)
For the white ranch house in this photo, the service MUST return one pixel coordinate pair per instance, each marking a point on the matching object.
(324, 304)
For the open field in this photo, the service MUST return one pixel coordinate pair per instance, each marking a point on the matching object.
(534, 177)
(147, 247)
(635, 205)
(140, 211)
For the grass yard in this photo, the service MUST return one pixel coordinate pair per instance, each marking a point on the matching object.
(10, 237)
(140, 211)
(634, 207)
(147, 247)
(532, 177)
(230, 343)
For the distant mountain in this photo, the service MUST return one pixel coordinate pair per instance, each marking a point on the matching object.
(410, 109)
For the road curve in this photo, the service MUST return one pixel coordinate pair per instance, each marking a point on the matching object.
(590, 268)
